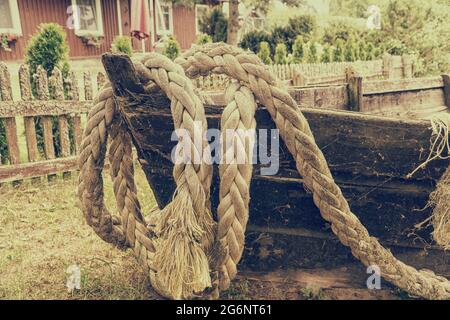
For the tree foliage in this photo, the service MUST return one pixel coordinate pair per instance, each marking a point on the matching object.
(171, 48)
(122, 44)
(215, 25)
(48, 48)
(280, 56)
(264, 52)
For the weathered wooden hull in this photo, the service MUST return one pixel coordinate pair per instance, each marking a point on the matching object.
(369, 157)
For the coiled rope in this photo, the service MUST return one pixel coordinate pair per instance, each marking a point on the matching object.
(183, 274)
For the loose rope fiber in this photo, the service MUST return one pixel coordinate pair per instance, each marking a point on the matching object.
(193, 181)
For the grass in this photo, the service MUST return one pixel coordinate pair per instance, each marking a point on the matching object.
(42, 233)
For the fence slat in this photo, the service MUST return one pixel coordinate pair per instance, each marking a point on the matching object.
(29, 124)
(101, 80)
(47, 126)
(10, 123)
(74, 95)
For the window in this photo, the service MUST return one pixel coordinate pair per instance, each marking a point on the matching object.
(201, 12)
(164, 18)
(88, 17)
(10, 18)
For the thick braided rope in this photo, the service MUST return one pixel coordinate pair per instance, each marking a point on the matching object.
(128, 230)
(311, 164)
(238, 126)
(131, 229)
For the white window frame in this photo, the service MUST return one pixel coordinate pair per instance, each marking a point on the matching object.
(97, 33)
(197, 26)
(159, 15)
(15, 18)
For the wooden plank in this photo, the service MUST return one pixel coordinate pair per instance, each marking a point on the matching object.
(29, 124)
(446, 81)
(40, 108)
(414, 84)
(57, 87)
(10, 123)
(46, 121)
(321, 97)
(77, 133)
(101, 80)
(408, 101)
(12, 140)
(88, 91)
(355, 95)
(75, 97)
(21, 171)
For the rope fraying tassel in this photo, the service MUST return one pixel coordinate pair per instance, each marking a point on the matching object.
(180, 260)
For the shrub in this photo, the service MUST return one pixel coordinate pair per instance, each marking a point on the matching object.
(362, 51)
(326, 55)
(298, 50)
(280, 54)
(338, 54)
(370, 52)
(122, 44)
(203, 38)
(264, 52)
(313, 54)
(48, 48)
(216, 25)
(171, 48)
(252, 40)
(349, 53)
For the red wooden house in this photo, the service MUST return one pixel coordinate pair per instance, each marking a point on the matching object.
(91, 25)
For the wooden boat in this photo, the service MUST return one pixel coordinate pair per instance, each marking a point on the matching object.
(370, 157)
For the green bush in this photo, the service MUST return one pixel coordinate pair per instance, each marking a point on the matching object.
(299, 50)
(264, 52)
(48, 48)
(362, 51)
(326, 55)
(280, 56)
(252, 40)
(122, 44)
(338, 54)
(313, 54)
(215, 25)
(203, 38)
(171, 48)
(349, 53)
(370, 52)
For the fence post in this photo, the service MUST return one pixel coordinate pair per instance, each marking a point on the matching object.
(57, 88)
(47, 125)
(10, 123)
(355, 92)
(298, 80)
(446, 80)
(407, 66)
(388, 67)
(29, 124)
(101, 80)
(74, 95)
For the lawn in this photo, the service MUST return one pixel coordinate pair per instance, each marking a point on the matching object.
(43, 232)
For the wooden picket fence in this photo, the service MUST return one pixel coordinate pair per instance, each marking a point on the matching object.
(55, 100)
(313, 74)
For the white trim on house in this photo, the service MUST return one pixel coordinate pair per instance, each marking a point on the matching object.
(159, 15)
(197, 25)
(119, 17)
(78, 31)
(15, 18)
